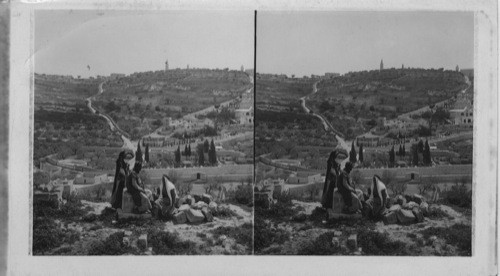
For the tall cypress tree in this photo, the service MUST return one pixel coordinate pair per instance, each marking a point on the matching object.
(360, 155)
(414, 149)
(178, 155)
(212, 153)
(404, 150)
(146, 153)
(185, 153)
(427, 153)
(400, 151)
(138, 153)
(392, 156)
(201, 154)
(189, 149)
(206, 146)
(352, 154)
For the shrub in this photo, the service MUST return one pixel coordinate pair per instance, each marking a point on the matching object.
(46, 235)
(223, 212)
(322, 245)
(459, 195)
(242, 234)
(375, 243)
(244, 194)
(112, 245)
(166, 243)
(264, 236)
(459, 235)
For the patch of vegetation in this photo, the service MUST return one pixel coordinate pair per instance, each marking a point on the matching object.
(318, 214)
(375, 243)
(48, 235)
(459, 195)
(244, 194)
(264, 236)
(112, 245)
(241, 234)
(322, 245)
(459, 235)
(223, 212)
(166, 243)
(437, 213)
(71, 210)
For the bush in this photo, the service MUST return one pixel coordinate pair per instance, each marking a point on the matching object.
(244, 194)
(72, 209)
(113, 245)
(264, 236)
(322, 245)
(223, 212)
(242, 234)
(459, 195)
(46, 235)
(166, 243)
(375, 243)
(459, 235)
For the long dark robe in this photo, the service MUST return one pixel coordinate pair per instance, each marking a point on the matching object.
(345, 189)
(132, 190)
(328, 187)
(121, 173)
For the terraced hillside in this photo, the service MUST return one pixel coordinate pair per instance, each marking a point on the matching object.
(387, 93)
(139, 103)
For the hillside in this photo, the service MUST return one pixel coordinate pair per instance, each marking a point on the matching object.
(141, 102)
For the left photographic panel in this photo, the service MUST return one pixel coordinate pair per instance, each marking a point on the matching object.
(142, 132)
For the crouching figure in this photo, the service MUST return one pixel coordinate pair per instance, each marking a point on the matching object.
(352, 197)
(375, 206)
(136, 189)
(169, 199)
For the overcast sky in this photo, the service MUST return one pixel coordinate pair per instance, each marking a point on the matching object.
(126, 42)
(304, 43)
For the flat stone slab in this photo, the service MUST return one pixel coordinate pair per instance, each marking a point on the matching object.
(332, 215)
(122, 215)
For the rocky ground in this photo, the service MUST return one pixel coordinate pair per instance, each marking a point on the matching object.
(446, 231)
(90, 228)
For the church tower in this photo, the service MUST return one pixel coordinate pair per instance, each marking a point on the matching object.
(166, 65)
(381, 64)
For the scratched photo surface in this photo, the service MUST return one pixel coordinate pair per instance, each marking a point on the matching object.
(364, 133)
(142, 132)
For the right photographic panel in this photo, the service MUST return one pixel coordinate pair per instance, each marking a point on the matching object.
(364, 133)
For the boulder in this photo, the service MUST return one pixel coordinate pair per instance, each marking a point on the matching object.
(194, 216)
(405, 217)
(352, 242)
(183, 200)
(390, 218)
(212, 206)
(206, 198)
(190, 200)
(418, 199)
(394, 208)
(197, 198)
(127, 233)
(337, 233)
(142, 242)
(200, 205)
(410, 205)
(127, 202)
(184, 208)
(335, 242)
(207, 214)
(126, 241)
(179, 217)
(408, 198)
(401, 200)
